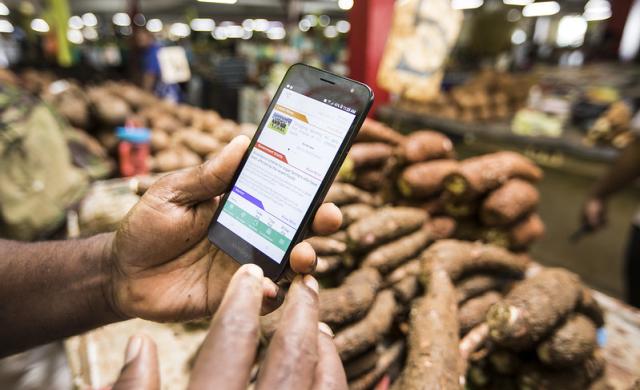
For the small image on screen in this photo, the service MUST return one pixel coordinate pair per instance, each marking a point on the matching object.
(284, 172)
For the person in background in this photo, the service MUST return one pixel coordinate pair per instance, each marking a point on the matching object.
(624, 171)
(151, 71)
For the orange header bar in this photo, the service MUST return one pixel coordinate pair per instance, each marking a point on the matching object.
(272, 152)
(291, 113)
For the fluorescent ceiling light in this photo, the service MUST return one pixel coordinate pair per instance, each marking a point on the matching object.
(466, 4)
(518, 37)
(39, 25)
(629, 44)
(89, 20)
(517, 2)
(343, 26)
(260, 25)
(202, 24)
(276, 33)
(545, 8)
(330, 32)
(571, 31)
(76, 23)
(154, 25)
(345, 4)
(121, 19)
(4, 10)
(6, 26)
(75, 37)
(219, 1)
(180, 30)
(597, 10)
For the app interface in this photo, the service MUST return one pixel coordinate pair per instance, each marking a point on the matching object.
(284, 171)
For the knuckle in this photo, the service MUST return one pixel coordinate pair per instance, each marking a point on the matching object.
(238, 325)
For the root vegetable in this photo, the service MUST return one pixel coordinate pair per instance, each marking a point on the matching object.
(361, 364)
(425, 179)
(226, 130)
(374, 131)
(365, 333)
(340, 235)
(327, 264)
(534, 307)
(370, 180)
(384, 225)
(479, 175)
(200, 143)
(426, 145)
(590, 307)
(460, 257)
(344, 193)
(406, 289)
(111, 110)
(472, 341)
(505, 362)
(433, 360)
(159, 140)
(571, 343)
(354, 212)
(526, 232)
(369, 154)
(165, 122)
(388, 256)
(410, 268)
(579, 377)
(387, 358)
(509, 203)
(474, 311)
(442, 227)
(475, 285)
(172, 159)
(325, 246)
(352, 299)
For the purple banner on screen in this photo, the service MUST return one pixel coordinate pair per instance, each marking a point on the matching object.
(248, 197)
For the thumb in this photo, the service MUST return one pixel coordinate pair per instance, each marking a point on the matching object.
(140, 369)
(207, 180)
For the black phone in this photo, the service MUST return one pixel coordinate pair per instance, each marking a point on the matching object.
(292, 160)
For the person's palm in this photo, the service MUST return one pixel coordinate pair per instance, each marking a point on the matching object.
(165, 268)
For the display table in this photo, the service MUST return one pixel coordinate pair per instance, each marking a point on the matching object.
(96, 357)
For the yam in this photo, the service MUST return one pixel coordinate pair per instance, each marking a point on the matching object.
(410, 268)
(352, 299)
(165, 122)
(474, 310)
(510, 202)
(590, 307)
(426, 145)
(370, 180)
(369, 154)
(475, 285)
(535, 376)
(533, 308)
(570, 343)
(384, 225)
(527, 231)
(200, 143)
(226, 130)
(159, 140)
(111, 110)
(388, 256)
(433, 360)
(354, 212)
(343, 193)
(478, 175)
(327, 264)
(325, 246)
(387, 358)
(505, 362)
(172, 159)
(365, 333)
(425, 179)
(459, 258)
(362, 364)
(406, 289)
(374, 131)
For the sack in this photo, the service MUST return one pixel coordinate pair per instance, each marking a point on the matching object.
(38, 182)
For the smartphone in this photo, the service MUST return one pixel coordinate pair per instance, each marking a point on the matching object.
(292, 160)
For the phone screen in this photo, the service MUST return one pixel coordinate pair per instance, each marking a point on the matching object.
(285, 170)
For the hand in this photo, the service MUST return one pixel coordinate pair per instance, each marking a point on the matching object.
(163, 267)
(301, 354)
(594, 214)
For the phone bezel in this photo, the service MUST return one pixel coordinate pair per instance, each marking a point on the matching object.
(235, 246)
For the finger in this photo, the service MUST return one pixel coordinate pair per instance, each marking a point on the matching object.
(292, 355)
(141, 366)
(209, 179)
(330, 373)
(328, 219)
(229, 350)
(302, 259)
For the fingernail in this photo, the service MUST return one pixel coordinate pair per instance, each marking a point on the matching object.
(270, 288)
(324, 328)
(133, 348)
(254, 270)
(311, 282)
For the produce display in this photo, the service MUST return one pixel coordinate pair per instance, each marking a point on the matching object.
(487, 96)
(181, 135)
(613, 127)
